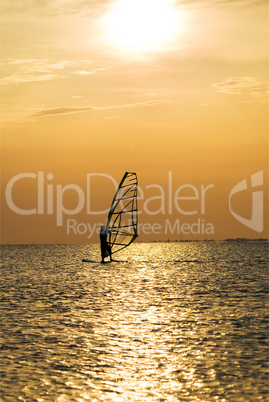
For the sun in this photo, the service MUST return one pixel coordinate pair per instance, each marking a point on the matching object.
(142, 25)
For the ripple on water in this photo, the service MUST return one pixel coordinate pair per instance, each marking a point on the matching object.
(188, 322)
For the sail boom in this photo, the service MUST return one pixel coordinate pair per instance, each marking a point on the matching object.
(124, 198)
(124, 212)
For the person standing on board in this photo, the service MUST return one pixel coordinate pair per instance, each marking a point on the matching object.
(105, 247)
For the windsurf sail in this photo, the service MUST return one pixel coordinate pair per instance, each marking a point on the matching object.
(122, 220)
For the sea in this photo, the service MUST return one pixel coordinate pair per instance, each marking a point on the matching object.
(168, 322)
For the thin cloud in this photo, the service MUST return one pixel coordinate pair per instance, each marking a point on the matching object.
(41, 65)
(54, 8)
(62, 110)
(25, 78)
(70, 110)
(234, 3)
(249, 86)
(90, 72)
(34, 70)
(81, 72)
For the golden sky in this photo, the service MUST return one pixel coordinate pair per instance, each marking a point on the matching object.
(172, 90)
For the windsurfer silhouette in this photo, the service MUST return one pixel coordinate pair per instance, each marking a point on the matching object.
(105, 247)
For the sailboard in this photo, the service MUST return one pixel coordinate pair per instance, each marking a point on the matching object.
(122, 220)
(98, 262)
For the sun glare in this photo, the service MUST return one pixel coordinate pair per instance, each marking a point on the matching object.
(142, 25)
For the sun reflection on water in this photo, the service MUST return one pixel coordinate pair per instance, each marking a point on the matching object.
(146, 330)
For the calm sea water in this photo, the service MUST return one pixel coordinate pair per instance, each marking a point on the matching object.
(177, 322)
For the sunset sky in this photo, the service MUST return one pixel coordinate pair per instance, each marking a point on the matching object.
(175, 91)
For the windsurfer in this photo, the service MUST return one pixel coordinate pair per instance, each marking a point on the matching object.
(105, 247)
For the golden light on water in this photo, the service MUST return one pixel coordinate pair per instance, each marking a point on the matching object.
(127, 332)
(142, 26)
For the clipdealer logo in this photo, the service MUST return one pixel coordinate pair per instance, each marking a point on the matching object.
(256, 220)
(170, 202)
(153, 199)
